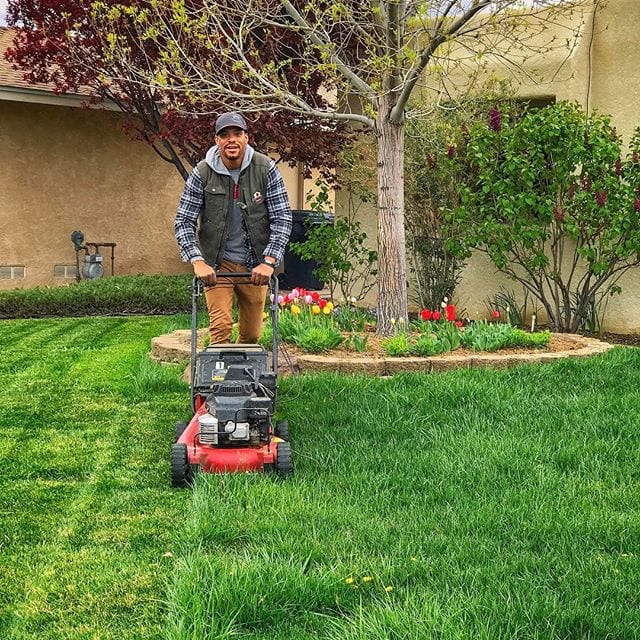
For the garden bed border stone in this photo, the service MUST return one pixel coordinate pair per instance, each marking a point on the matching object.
(175, 348)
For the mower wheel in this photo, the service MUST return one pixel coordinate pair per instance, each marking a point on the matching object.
(180, 427)
(180, 469)
(282, 430)
(284, 463)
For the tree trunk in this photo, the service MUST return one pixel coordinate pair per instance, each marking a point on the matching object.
(392, 269)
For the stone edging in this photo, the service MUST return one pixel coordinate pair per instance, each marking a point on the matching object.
(175, 347)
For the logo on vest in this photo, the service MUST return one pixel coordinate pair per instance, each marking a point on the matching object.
(258, 198)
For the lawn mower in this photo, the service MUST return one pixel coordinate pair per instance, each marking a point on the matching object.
(233, 398)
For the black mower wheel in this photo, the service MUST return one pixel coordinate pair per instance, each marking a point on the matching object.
(180, 469)
(282, 430)
(284, 462)
(180, 427)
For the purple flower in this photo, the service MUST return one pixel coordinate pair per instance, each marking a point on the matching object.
(601, 198)
(451, 152)
(618, 167)
(495, 119)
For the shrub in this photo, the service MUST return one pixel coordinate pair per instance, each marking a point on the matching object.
(553, 200)
(140, 294)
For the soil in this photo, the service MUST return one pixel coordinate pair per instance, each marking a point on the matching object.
(558, 342)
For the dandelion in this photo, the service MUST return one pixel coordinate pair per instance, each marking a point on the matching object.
(367, 578)
(388, 588)
(348, 580)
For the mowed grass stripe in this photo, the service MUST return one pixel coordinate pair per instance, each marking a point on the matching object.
(475, 504)
(90, 517)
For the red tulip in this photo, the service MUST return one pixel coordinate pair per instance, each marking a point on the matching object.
(425, 314)
(451, 312)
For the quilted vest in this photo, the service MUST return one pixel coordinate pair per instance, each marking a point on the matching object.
(218, 193)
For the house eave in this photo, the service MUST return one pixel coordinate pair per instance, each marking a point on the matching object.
(40, 96)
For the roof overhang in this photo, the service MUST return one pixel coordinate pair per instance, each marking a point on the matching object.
(41, 96)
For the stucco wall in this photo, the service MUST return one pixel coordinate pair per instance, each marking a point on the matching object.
(601, 72)
(66, 168)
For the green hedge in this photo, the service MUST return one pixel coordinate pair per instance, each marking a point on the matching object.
(141, 294)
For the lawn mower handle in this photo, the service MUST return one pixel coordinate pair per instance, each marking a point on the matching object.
(197, 289)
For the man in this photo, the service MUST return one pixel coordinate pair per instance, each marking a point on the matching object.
(238, 197)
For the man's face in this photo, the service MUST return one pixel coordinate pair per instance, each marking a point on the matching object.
(232, 142)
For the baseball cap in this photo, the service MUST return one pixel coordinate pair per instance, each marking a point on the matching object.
(232, 119)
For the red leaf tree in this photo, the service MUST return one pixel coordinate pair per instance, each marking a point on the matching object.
(57, 43)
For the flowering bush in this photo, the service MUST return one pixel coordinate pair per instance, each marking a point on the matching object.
(552, 198)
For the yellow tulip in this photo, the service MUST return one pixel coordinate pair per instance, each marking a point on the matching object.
(326, 310)
(295, 309)
(329, 306)
(315, 309)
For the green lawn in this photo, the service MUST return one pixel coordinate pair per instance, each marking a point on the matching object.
(475, 504)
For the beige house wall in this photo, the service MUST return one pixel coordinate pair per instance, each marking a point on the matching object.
(602, 74)
(64, 168)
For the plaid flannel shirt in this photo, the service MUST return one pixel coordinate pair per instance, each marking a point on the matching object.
(192, 201)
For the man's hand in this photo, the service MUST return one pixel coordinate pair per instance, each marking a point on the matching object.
(260, 275)
(203, 271)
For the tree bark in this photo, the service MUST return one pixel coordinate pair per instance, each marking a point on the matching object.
(392, 269)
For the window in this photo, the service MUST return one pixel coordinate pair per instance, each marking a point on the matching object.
(68, 271)
(10, 272)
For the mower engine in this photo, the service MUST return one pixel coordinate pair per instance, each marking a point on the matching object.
(238, 410)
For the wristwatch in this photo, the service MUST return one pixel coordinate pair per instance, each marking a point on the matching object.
(269, 263)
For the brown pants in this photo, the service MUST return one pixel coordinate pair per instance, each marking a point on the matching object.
(250, 300)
